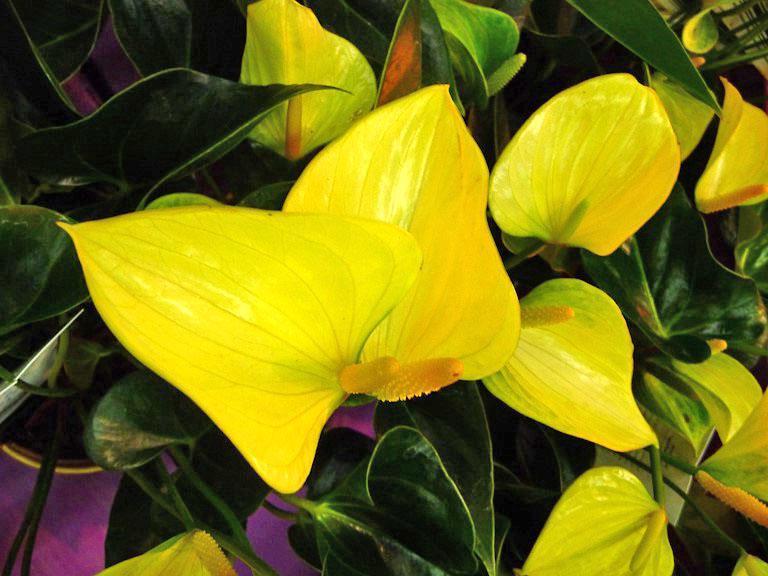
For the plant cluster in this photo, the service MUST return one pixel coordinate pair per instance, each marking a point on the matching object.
(291, 211)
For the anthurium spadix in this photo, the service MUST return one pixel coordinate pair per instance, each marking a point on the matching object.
(413, 163)
(285, 44)
(589, 167)
(737, 171)
(572, 368)
(604, 523)
(259, 317)
(191, 554)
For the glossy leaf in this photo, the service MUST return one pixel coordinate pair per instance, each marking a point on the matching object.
(191, 554)
(178, 199)
(81, 360)
(339, 452)
(402, 70)
(666, 281)
(742, 461)
(545, 185)
(700, 33)
(413, 163)
(453, 421)
(40, 271)
(482, 42)
(575, 375)
(752, 247)
(611, 526)
(726, 388)
(138, 418)
(689, 116)
(156, 34)
(287, 45)
(737, 171)
(301, 314)
(162, 127)
(640, 27)
(400, 530)
(749, 565)
(64, 32)
(269, 197)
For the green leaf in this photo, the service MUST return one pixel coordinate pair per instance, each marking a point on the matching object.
(165, 126)
(339, 452)
(402, 69)
(752, 246)
(13, 181)
(156, 34)
(640, 28)
(700, 33)
(41, 275)
(453, 421)
(482, 42)
(181, 199)
(666, 281)
(81, 360)
(218, 36)
(138, 418)
(411, 520)
(39, 99)
(269, 197)
(64, 31)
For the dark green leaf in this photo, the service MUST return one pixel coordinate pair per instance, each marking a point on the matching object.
(81, 360)
(64, 31)
(638, 25)
(415, 522)
(14, 184)
(160, 128)
(339, 452)
(138, 418)
(218, 37)
(38, 96)
(454, 422)
(269, 197)
(156, 34)
(40, 271)
(667, 282)
(752, 246)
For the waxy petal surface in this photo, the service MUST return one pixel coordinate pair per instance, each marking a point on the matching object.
(413, 163)
(286, 44)
(576, 375)
(689, 116)
(599, 526)
(737, 171)
(252, 314)
(588, 168)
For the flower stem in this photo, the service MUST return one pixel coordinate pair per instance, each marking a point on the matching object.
(216, 501)
(656, 475)
(279, 512)
(516, 259)
(298, 502)
(165, 477)
(679, 464)
(149, 489)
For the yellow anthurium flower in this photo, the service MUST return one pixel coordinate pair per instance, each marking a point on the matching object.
(572, 369)
(286, 44)
(589, 167)
(413, 163)
(749, 565)
(191, 554)
(689, 116)
(605, 523)
(737, 171)
(256, 316)
(742, 462)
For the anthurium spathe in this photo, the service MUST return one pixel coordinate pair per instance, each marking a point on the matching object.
(604, 523)
(737, 171)
(689, 115)
(256, 316)
(286, 44)
(413, 163)
(194, 553)
(588, 168)
(749, 565)
(572, 369)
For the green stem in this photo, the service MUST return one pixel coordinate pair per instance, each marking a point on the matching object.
(43, 391)
(646, 73)
(31, 521)
(201, 486)
(61, 354)
(6, 375)
(279, 512)
(298, 502)
(212, 183)
(186, 515)
(516, 259)
(689, 501)
(656, 475)
(149, 489)
(679, 464)
(749, 348)
(259, 567)
(735, 60)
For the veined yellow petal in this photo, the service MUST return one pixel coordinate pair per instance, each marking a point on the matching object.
(286, 44)
(413, 163)
(191, 554)
(737, 171)
(252, 314)
(689, 116)
(605, 523)
(575, 375)
(742, 461)
(749, 565)
(588, 168)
